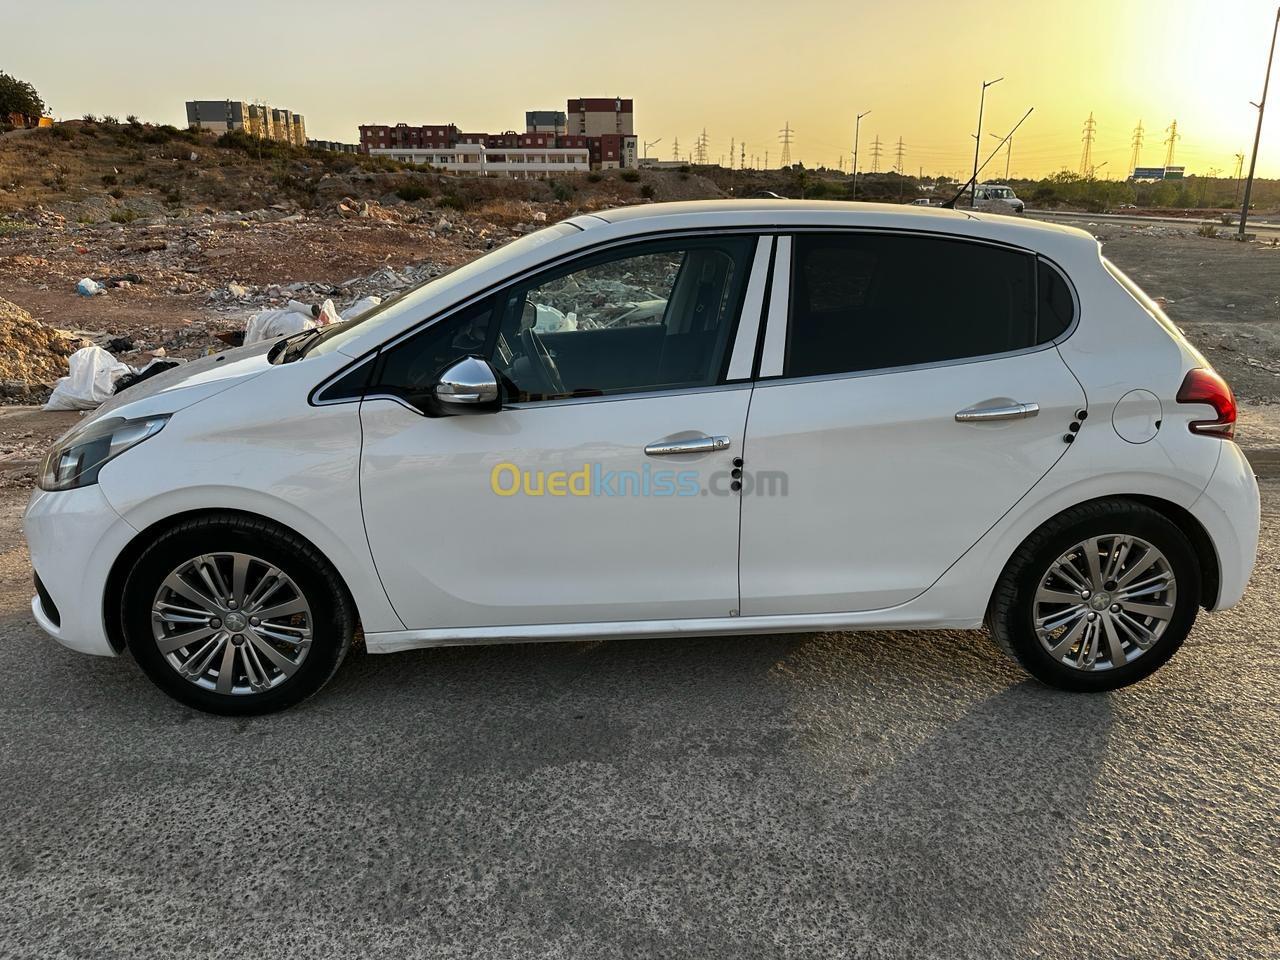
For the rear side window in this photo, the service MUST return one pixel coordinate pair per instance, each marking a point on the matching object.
(876, 301)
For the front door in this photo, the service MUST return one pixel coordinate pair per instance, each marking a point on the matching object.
(600, 492)
(915, 398)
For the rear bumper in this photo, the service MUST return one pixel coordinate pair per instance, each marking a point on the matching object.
(75, 537)
(1230, 511)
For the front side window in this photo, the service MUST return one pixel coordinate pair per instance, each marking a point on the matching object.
(865, 301)
(651, 316)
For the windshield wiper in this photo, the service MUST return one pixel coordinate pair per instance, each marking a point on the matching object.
(291, 348)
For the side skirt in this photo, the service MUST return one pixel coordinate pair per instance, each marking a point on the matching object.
(893, 618)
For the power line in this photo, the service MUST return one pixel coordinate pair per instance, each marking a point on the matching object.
(1086, 154)
(785, 135)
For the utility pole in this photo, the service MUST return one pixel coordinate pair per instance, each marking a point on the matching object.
(977, 137)
(1239, 174)
(1008, 153)
(875, 155)
(1086, 154)
(857, 128)
(651, 143)
(766, 159)
(1136, 157)
(1174, 137)
(784, 135)
(1257, 137)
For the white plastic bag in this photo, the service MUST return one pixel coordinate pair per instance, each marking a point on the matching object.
(92, 379)
(294, 318)
(88, 287)
(360, 306)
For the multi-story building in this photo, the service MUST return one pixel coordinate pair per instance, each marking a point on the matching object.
(255, 119)
(553, 142)
(334, 146)
(598, 116)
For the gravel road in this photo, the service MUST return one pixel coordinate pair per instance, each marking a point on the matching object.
(869, 795)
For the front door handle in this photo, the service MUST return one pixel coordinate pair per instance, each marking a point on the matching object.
(1005, 411)
(667, 448)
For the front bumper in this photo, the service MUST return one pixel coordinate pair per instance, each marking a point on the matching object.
(75, 537)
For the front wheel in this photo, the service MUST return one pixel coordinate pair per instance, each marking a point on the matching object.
(1099, 597)
(233, 615)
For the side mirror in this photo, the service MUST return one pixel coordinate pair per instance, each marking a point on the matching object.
(468, 386)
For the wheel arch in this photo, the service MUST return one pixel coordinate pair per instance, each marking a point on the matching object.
(113, 594)
(1180, 517)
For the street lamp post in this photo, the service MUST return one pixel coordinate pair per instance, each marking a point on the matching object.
(857, 129)
(1257, 137)
(977, 139)
(1008, 154)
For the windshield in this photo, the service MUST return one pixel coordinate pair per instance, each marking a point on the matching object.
(334, 336)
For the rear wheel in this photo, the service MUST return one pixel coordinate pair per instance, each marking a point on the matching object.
(1098, 598)
(236, 616)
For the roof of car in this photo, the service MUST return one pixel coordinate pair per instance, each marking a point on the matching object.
(783, 213)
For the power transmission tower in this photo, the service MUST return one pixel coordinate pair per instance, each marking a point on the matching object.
(784, 135)
(875, 155)
(1136, 157)
(732, 151)
(742, 156)
(1086, 154)
(900, 150)
(1174, 137)
(766, 159)
(675, 149)
(700, 148)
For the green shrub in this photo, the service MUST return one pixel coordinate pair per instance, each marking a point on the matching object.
(562, 191)
(109, 179)
(124, 216)
(631, 176)
(62, 133)
(412, 190)
(647, 191)
(454, 201)
(594, 177)
(115, 192)
(1207, 230)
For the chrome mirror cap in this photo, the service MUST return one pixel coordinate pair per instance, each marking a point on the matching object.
(470, 384)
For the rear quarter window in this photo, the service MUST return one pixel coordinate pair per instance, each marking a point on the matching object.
(865, 301)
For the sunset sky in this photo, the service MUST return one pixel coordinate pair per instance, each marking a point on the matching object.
(740, 69)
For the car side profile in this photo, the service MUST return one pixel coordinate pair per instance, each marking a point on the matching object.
(722, 417)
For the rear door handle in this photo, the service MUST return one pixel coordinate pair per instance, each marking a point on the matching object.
(1006, 411)
(667, 448)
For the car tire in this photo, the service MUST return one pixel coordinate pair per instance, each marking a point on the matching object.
(1122, 637)
(306, 628)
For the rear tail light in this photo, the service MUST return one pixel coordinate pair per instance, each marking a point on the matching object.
(1206, 386)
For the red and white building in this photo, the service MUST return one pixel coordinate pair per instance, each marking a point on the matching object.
(597, 134)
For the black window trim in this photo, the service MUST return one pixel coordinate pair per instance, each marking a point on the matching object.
(443, 315)
(932, 234)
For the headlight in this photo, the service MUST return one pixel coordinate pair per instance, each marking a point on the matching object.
(76, 459)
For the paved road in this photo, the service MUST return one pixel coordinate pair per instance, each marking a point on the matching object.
(1263, 228)
(879, 795)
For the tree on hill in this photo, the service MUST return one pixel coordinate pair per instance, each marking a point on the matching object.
(18, 96)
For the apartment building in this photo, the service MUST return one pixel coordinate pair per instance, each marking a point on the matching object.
(553, 142)
(255, 119)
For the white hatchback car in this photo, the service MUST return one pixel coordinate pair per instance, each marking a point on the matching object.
(700, 418)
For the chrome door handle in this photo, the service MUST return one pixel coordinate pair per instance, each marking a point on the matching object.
(666, 448)
(1008, 411)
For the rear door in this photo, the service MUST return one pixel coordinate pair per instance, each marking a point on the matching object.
(909, 395)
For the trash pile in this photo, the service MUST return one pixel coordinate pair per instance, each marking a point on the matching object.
(31, 355)
(96, 375)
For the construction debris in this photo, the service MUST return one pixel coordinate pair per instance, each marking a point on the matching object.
(32, 355)
(90, 383)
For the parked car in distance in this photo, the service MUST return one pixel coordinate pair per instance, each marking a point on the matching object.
(996, 198)
(723, 417)
(922, 202)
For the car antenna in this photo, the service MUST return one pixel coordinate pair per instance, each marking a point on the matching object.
(951, 204)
